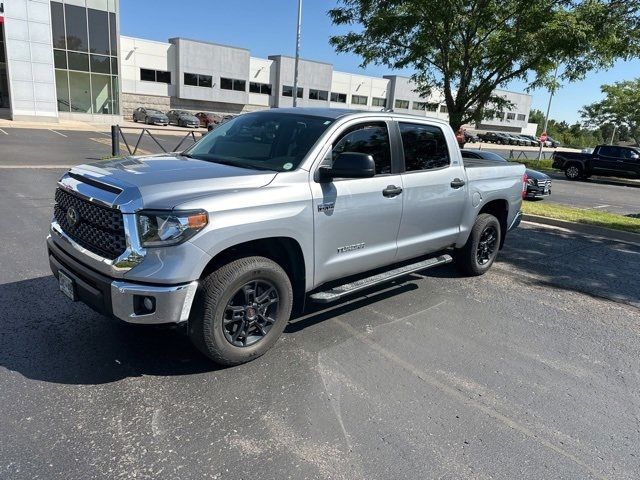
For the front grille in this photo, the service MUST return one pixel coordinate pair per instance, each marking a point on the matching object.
(98, 229)
(544, 183)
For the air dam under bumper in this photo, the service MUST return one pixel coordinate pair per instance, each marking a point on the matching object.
(121, 299)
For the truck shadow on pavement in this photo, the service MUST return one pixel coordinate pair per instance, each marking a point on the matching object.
(45, 337)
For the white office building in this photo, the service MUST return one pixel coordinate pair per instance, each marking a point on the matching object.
(65, 59)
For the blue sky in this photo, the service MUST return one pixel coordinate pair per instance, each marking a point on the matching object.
(267, 27)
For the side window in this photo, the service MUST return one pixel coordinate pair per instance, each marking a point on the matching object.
(607, 151)
(370, 138)
(425, 147)
(628, 153)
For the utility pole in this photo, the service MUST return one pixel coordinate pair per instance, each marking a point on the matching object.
(295, 70)
(546, 118)
(615, 127)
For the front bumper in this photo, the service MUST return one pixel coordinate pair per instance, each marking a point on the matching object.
(536, 191)
(121, 299)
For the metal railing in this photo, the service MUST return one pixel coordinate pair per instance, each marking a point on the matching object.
(117, 134)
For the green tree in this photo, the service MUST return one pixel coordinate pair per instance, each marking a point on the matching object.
(468, 48)
(620, 107)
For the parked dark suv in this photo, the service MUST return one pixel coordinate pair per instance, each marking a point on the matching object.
(150, 116)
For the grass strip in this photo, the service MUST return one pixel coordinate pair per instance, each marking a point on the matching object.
(581, 215)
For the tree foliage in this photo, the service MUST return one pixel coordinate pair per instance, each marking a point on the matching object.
(620, 107)
(468, 48)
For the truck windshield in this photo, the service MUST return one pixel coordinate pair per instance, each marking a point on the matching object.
(261, 140)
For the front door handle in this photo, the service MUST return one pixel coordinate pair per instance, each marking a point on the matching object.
(392, 191)
(457, 183)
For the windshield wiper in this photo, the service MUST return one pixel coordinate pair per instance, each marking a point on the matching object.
(231, 163)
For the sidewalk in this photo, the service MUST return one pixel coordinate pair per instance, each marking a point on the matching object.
(76, 126)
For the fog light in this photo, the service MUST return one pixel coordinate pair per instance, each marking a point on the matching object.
(148, 303)
(143, 305)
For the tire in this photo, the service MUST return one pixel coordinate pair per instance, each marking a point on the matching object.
(135, 120)
(573, 171)
(226, 288)
(467, 258)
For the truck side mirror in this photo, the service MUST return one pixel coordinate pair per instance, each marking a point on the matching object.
(349, 165)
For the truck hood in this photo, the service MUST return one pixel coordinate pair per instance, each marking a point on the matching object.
(164, 181)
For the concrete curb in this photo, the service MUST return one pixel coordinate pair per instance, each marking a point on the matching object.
(617, 235)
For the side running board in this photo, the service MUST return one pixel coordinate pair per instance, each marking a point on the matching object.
(340, 291)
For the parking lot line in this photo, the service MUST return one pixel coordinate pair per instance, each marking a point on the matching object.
(61, 134)
(1, 130)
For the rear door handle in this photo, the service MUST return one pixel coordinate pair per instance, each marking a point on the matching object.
(392, 191)
(457, 183)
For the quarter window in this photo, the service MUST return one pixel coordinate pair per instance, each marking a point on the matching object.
(424, 146)
(370, 138)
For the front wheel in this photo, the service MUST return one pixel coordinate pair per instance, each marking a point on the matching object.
(241, 310)
(481, 249)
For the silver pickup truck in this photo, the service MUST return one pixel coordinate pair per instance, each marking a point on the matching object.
(270, 210)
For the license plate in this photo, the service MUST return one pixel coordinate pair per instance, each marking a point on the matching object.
(66, 285)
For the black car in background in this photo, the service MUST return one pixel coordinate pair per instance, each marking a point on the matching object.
(538, 183)
(605, 160)
(150, 116)
(495, 137)
(182, 118)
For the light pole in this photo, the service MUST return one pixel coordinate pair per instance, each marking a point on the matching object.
(615, 127)
(546, 118)
(295, 69)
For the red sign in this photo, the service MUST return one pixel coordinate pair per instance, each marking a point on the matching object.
(543, 137)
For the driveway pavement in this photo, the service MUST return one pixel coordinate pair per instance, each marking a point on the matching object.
(529, 372)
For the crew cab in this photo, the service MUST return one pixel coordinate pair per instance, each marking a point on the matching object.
(270, 210)
(605, 160)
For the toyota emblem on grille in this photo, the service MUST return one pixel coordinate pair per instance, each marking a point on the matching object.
(73, 217)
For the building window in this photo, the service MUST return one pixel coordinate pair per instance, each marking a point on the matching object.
(339, 97)
(359, 100)
(318, 94)
(287, 91)
(401, 104)
(379, 102)
(522, 117)
(443, 109)
(155, 76)
(511, 116)
(233, 84)
(85, 59)
(263, 88)
(197, 80)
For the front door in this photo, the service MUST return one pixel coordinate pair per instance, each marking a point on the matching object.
(356, 220)
(434, 193)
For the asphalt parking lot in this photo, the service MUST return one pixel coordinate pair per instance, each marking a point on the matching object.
(531, 371)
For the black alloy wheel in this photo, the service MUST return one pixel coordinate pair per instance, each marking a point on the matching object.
(487, 245)
(251, 312)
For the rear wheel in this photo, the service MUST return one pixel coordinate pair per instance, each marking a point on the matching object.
(573, 171)
(242, 309)
(481, 249)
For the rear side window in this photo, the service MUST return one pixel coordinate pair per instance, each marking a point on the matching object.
(609, 151)
(425, 147)
(369, 138)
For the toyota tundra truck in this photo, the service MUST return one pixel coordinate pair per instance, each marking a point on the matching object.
(270, 210)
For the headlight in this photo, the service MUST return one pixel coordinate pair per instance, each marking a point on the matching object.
(164, 228)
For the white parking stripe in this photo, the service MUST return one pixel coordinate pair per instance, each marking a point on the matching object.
(105, 134)
(61, 134)
(1, 130)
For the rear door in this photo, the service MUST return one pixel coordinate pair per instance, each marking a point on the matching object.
(357, 220)
(630, 161)
(606, 160)
(434, 191)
